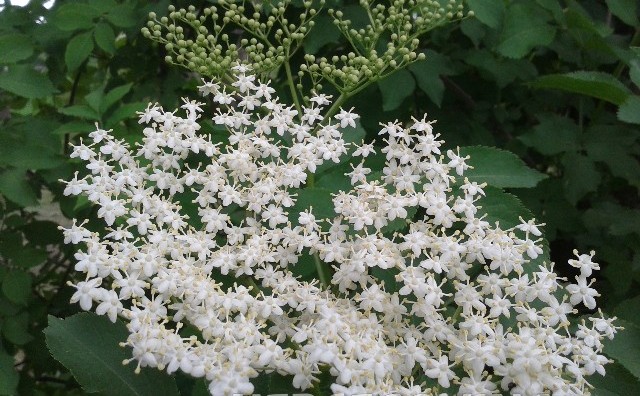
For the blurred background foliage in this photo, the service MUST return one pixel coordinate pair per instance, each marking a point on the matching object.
(555, 82)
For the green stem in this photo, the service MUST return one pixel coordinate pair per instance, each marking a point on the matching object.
(322, 274)
(292, 86)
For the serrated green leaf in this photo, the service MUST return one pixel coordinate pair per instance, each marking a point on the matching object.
(626, 10)
(319, 199)
(395, 89)
(78, 49)
(74, 127)
(16, 329)
(105, 37)
(629, 111)
(553, 135)
(9, 377)
(14, 48)
(499, 168)
(625, 347)
(87, 345)
(14, 186)
(502, 70)
(94, 99)
(634, 71)
(525, 27)
(81, 111)
(428, 72)
(580, 176)
(488, 12)
(24, 81)
(324, 32)
(16, 286)
(595, 84)
(115, 95)
(613, 145)
(618, 381)
(502, 207)
(75, 16)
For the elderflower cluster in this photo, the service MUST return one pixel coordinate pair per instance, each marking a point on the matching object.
(204, 240)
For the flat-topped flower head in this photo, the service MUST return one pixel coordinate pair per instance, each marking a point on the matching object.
(417, 291)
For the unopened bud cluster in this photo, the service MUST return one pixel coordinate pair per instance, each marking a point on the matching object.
(463, 310)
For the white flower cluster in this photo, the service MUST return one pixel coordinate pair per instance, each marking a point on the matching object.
(470, 315)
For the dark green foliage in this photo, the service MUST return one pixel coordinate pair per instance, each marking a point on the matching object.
(544, 95)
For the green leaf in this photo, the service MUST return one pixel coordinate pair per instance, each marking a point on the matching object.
(428, 72)
(87, 345)
(525, 27)
(553, 135)
(580, 176)
(626, 10)
(105, 37)
(16, 286)
(114, 95)
(499, 168)
(78, 49)
(617, 382)
(634, 71)
(595, 84)
(324, 32)
(628, 310)
(629, 111)
(502, 207)
(80, 111)
(319, 199)
(395, 89)
(73, 127)
(124, 112)
(16, 329)
(24, 81)
(94, 100)
(14, 48)
(488, 12)
(75, 16)
(625, 347)
(122, 16)
(9, 377)
(14, 186)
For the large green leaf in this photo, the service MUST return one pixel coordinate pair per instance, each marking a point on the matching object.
(499, 168)
(113, 96)
(525, 27)
(88, 345)
(502, 207)
(105, 37)
(488, 12)
(618, 381)
(75, 16)
(324, 32)
(580, 176)
(78, 49)
(14, 186)
(122, 16)
(625, 347)
(395, 89)
(428, 72)
(24, 81)
(626, 10)
(595, 84)
(553, 135)
(16, 286)
(14, 48)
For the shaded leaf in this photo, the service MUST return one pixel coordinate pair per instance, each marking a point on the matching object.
(24, 81)
(122, 16)
(580, 176)
(16, 329)
(78, 49)
(525, 27)
(124, 112)
(14, 186)
(16, 286)
(324, 32)
(81, 111)
(8, 375)
(14, 48)
(626, 10)
(395, 89)
(428, 72)
(629, 111)
(75, 16)
(105, 37)
(595, 84)
(553, 135)
(499, 168)
(114, 95)
(488, 12)
(625, 347)
(88, 345)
